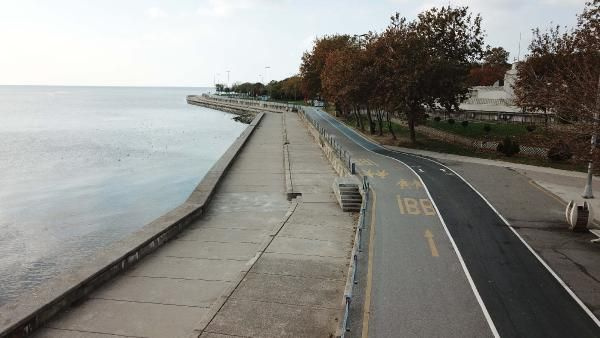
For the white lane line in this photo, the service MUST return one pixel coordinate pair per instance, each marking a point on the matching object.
(486, 314)
(539, 258)
(535, 254)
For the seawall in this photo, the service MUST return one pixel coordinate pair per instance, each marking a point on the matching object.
(31, 311)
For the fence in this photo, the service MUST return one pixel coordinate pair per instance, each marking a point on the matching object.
(477, 144)
(346, 158)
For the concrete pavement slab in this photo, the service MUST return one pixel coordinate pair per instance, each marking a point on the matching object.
(314, 219)
(273, 320)
(58, 333)
(297, 246)
(130, 318)
(256, 236)
(253, 178)
(305, 266)
(216, 335)
(318, 197)
(189, 268)
(230, 220)
(331, 234)
(295, 290)
(190, 292)
(214, 250)
(252, 188)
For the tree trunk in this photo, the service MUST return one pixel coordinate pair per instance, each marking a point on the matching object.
(370, 119)
(380, 122)
(390, 126)
(411, 126)
(359, 118)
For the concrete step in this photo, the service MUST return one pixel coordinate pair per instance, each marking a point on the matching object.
(347, 192)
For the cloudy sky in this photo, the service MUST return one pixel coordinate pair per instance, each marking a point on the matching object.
(189, 42)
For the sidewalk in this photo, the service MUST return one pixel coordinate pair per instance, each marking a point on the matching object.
(253, 265)
(296, 287)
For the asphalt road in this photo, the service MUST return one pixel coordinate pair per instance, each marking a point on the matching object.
(443, 262)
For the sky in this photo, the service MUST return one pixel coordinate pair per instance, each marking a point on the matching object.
(195, 42)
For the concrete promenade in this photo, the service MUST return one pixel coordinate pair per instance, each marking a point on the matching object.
(254, 265)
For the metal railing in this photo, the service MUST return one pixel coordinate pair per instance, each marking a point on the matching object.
(357, 248)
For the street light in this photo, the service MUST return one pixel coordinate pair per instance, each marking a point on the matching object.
(267, 79)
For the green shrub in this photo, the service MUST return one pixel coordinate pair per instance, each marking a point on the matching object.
(451, 121)
(560, 152)
(426, 116)
(437, 119)
(530, 127)
(508, 147)
(464, 123)
(487, 128)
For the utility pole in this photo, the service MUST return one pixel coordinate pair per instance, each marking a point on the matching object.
(588, 191)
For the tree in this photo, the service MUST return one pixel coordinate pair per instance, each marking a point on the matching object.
(313, 62)
(492, 69)
(561, 73)
(339, 81)
(426, 62)
(496, 56)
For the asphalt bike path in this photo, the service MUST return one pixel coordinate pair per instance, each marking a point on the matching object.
(484, 280)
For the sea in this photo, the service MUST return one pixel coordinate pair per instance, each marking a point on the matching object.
(83, 167)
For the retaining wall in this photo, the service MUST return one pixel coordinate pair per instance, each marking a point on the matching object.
(32, 311)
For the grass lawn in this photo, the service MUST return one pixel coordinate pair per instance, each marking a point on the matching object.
(475, 129)
(426, 143)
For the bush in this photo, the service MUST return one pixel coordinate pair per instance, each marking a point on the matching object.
(530, 127)
(437, 119)
(508, 147)
(426, 116)
(464, 123)
(487, 128)
(560, 152)
(451, 121)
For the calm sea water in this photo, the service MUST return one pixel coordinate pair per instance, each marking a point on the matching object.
(82, 167)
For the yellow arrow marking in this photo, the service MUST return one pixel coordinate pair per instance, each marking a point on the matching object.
(369, 173)
(432, 247)
(382, 173)
(403, 184)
